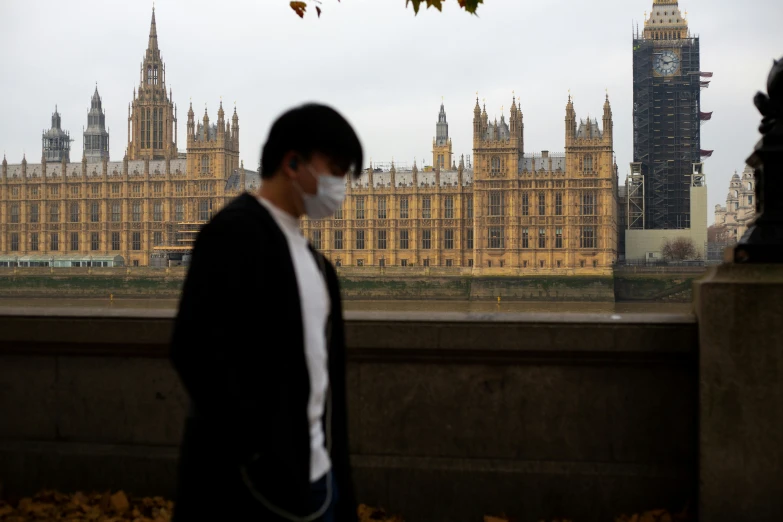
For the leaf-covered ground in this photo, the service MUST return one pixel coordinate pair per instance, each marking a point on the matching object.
(50, 505)
(79, 507)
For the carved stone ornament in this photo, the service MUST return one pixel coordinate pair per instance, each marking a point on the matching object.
(763, 241)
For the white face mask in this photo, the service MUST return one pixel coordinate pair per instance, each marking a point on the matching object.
(327, 199)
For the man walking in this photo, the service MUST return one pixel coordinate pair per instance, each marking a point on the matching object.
(259, 346)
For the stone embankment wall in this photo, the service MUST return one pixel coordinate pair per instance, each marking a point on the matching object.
(662, 284)
(451, 416)
(416, 284)
(91, 282)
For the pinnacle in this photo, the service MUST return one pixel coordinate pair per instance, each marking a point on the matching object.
(153, 41)
(153, 27)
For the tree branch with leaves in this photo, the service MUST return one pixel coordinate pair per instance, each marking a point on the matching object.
(470, 6)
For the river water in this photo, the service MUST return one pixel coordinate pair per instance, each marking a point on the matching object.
(380, 306)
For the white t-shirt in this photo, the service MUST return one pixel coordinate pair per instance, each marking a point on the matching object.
(314, 296)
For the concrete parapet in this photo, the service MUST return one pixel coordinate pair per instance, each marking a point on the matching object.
(452, 415)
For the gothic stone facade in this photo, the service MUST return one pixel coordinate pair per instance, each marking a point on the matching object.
(154, 200)
(740, 209)
(512, 212)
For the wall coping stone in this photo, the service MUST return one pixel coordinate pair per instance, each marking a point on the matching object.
(499, 338)
(377, 316)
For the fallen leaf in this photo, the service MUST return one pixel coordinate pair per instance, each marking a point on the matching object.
(119, 502)
(105, 501)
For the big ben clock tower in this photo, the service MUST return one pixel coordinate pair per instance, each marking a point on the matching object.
(666, 98)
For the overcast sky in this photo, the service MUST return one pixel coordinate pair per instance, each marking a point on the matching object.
(383, 67)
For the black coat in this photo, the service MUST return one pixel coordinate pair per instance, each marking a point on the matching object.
(238, 347)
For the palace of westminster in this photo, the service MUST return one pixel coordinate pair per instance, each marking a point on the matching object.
(508, 210)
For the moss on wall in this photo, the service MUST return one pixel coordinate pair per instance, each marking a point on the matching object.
(667, 287)
(88, 285)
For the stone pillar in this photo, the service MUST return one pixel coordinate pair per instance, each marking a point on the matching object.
(740, 315)
(739, 306)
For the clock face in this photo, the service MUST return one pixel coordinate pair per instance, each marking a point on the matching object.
(666, 63)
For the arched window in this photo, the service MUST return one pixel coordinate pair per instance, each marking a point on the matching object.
(155, 75)
(155, 135)
(205, 165)
(205, 210)
(495, 166)
(750, 185)
(149, 75)
(588, 163)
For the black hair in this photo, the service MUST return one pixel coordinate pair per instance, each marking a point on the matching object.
(312, 128)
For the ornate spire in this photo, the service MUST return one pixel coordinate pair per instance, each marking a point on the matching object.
(442, 113)
(153, 42)
(96, 98)
(96, 137)
(56, 142)
(442, 127)
(152, 96)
